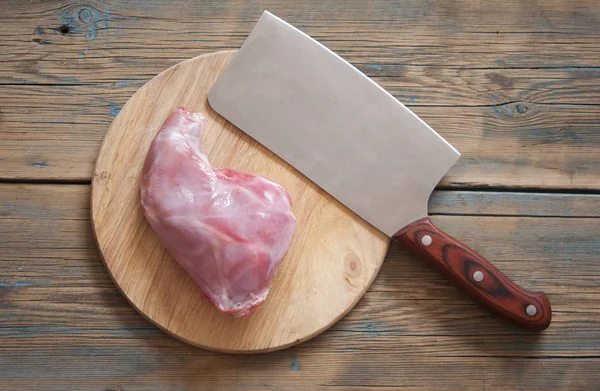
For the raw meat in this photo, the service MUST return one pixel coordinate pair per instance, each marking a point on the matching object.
(227, 229)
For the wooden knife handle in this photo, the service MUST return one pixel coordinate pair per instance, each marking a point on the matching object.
(475, 275)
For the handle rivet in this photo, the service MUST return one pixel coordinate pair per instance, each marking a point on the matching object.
(531, 310)
(478, 276)
(426, 240)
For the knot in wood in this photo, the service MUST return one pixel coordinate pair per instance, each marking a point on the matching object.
(352, 266)
(85, 15)
(522, 108)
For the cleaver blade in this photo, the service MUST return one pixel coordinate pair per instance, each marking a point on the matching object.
(360, 144)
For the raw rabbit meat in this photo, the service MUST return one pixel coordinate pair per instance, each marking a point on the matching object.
(227, 229)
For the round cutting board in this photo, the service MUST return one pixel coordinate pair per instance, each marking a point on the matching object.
(332, 260)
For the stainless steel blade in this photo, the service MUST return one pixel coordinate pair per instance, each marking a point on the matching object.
(333, 123)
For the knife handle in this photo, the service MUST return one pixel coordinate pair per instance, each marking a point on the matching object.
(476, 276)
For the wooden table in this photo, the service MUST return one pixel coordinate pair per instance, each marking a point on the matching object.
(514, 85)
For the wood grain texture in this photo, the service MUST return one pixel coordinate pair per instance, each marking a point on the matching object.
(54, 132)
(513, 204)
(332, 260)
(460, 265)
(513, 85)
(516, 92)
(64, 325)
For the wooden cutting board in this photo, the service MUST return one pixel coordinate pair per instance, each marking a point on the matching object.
(333, 259)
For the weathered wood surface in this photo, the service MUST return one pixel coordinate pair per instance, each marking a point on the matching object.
(515, 88)
(65, 326)
(54, 132)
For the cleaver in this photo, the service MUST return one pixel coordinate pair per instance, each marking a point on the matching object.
(361, 145)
